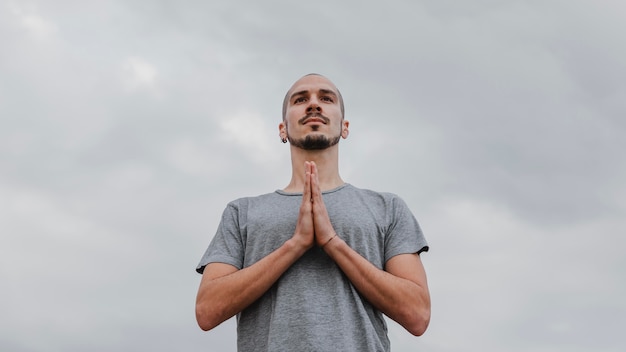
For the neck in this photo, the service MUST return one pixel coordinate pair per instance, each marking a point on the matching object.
(327, 161)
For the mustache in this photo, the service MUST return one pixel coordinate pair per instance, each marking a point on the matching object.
(314, 114)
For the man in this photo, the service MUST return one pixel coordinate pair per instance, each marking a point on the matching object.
(314, 266)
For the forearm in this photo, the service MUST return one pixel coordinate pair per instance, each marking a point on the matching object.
(221, 297)
(402, 299)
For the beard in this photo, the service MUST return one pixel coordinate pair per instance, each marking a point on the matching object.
(314, 142)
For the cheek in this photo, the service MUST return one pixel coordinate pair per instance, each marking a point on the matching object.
(292, 116)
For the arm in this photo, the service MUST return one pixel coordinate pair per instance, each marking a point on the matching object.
(225, 291)
(400, 291)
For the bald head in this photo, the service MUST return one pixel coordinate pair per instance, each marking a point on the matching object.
(291, 91)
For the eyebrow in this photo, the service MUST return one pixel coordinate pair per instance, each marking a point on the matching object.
(306, 92)
(328, 91)
(302, 92)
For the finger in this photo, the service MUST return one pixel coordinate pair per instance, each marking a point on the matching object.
(315, 186)
(306, 193)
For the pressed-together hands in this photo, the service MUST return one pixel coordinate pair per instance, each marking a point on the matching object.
(313, 226)
(400, 290)
(226, 290)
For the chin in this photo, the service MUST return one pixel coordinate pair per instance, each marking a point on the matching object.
(315, 141)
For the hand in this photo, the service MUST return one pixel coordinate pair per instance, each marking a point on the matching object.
(305, 231)
(324, 230)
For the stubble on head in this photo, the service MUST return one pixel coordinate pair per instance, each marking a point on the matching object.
(314, 141)
(286, 98)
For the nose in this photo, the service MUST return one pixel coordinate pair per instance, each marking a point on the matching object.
(313, 106)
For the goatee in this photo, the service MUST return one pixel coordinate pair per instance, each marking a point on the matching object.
(314, 142)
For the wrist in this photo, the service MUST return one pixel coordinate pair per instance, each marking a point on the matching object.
(334, 235)
(298, 245)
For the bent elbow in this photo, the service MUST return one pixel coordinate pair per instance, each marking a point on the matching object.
(418, 322)
(204, 326)
(418, 329)
(204, 320)
(203, 323)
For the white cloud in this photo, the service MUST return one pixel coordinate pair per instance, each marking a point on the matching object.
(29, 19)
(499, 123)
(139, 74)
(252, 134)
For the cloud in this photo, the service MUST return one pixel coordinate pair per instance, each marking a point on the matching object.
(126, 127)
(139, 73)
(30, 20)
(250, 132)
(517, 277)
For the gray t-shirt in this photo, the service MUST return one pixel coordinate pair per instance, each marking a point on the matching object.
(313, 306)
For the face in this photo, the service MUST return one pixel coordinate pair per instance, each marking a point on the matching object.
(313, 118)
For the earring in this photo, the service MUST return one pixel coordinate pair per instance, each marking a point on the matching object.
(284, 140)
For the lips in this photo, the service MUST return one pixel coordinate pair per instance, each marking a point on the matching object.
(313, 119)
(319, 118)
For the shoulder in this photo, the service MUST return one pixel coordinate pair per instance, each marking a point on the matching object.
(385, 197)
(245, 202)
(387, 203)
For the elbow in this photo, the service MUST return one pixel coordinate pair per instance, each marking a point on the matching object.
(418, 322)
(205, 320)
(419, 328)
(205, 326)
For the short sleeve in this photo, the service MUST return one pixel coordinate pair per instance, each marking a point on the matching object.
(227, 244)
(404, 235)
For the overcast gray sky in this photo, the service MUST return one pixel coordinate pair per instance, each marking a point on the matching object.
(126, 127)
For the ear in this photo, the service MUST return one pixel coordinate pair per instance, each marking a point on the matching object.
(282, 130)
(344, 129)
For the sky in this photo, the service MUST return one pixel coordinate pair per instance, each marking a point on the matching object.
(127, 126)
